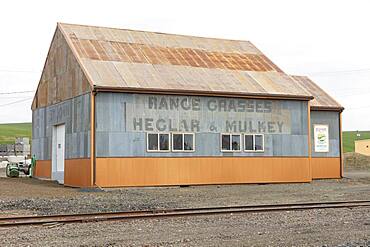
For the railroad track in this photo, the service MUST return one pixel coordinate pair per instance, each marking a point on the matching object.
(125, 215)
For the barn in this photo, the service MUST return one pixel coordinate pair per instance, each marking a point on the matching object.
(118, 107)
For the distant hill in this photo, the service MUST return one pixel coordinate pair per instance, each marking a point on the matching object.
(349, 138)
(8, 132)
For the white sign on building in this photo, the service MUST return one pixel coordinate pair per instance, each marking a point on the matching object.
(321, 138)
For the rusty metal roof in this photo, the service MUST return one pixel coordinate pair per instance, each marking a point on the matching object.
(119, 59)
(322, 100)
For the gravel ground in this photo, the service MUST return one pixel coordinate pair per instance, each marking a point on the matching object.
(24, 196)
(329, 227)
(325, 227)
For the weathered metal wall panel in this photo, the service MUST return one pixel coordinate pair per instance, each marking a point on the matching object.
(75, 114)
(332, 120)
(118, 136)
(62, 77)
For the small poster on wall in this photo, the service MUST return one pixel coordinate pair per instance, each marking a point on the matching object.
(321, 138)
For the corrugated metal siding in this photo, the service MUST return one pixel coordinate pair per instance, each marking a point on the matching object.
(133, 144)
(115, 58)
(203, 170)
(142, 53)
(114, 138)
(62, 77)
(75, 114)
(168, 77)
(332, 120)
(159, 39)
(321, 98)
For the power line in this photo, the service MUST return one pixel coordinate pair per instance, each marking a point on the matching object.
(16, 92)
(15, 102)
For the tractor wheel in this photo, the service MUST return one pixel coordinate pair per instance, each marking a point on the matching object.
(27, 172)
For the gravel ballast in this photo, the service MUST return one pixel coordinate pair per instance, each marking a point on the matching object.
(324, 227)
(24, 196)
(329, 227)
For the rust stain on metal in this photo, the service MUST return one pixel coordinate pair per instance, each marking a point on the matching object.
(141, 53)
(61, 78)
(119, 58)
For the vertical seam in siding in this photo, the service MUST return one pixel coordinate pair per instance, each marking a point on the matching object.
(92, 139)
(309, 137)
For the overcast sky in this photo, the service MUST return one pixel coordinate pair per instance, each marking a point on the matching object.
(328, 41)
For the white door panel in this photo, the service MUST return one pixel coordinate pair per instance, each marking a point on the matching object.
(58, 151)
(60, 148)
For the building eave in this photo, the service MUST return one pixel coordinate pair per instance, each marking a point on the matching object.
(327, 108)
(203, 93)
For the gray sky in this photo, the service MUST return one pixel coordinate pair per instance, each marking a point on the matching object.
(326, 40)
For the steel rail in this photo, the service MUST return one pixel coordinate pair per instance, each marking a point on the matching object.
(176, 212)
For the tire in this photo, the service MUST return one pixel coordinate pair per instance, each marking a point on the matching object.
(27, 172)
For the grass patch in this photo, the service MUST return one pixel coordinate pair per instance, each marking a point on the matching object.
(8, 132)
(349, 138)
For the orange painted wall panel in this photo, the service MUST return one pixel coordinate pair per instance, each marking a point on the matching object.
(77, 172)
(43, 169)
(327, 167)
(114, 172)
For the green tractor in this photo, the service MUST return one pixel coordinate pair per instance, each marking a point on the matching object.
(12, 170)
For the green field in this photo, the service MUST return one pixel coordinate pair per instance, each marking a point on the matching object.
(349, 138)
(8, 132)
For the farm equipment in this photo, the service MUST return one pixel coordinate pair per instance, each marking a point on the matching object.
(12, 170)
(17, 165)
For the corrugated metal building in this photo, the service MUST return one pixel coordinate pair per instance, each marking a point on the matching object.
(119, 107)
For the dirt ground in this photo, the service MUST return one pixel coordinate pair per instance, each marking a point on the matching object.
(19, 196)
(330, 227)
(334, 227)
(31, 196)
